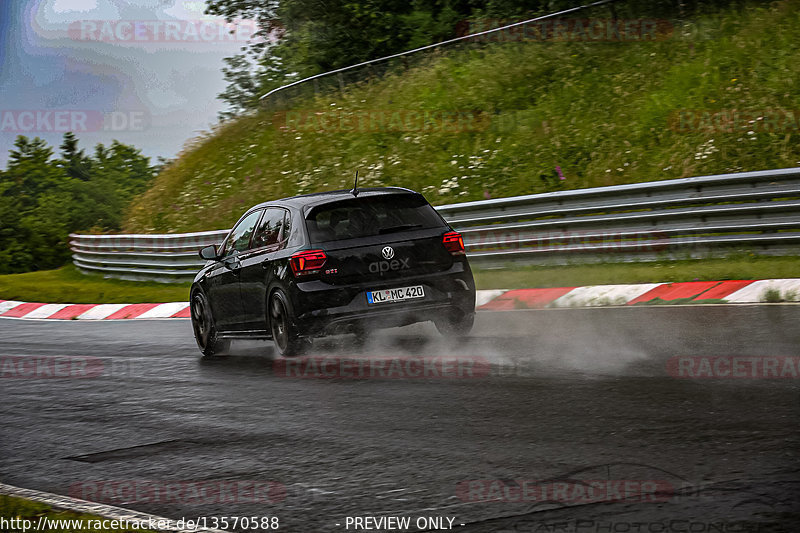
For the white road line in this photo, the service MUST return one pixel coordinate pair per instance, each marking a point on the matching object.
(106, 511)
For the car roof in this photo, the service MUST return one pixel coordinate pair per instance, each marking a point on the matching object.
(318, 198)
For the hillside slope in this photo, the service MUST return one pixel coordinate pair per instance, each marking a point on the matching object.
(605, 113)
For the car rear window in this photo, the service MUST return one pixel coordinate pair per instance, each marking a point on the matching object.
(371, 215)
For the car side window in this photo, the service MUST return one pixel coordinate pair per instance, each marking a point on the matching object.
(270, 230)
(239, 239)
(287, 229)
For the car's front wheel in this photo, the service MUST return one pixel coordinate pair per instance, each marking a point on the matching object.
(287, 339)
(205, 332)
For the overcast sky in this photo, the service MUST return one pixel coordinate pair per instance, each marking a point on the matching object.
(144, 72)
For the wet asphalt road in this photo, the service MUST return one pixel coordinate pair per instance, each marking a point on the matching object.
(569, 396)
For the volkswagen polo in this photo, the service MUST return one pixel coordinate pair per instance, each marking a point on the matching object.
(341, 262)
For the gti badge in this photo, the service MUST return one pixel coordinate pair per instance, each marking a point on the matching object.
(387, 252)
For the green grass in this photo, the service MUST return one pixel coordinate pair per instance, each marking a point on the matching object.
(69, 285)
(747, 267)
(19, 508)
(600, 111)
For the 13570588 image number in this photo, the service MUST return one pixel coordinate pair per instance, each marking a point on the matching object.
(232, 522)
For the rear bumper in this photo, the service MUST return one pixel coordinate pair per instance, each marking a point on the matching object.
(322, 308)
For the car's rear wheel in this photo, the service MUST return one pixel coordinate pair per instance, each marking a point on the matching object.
(205, 331)
(455, 324)
(287, 339)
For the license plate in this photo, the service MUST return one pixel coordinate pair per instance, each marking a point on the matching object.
(395, 295)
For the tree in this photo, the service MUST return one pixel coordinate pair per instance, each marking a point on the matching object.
(29, 172)
(43, 199)
(76, 163)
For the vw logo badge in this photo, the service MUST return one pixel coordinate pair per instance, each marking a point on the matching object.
(387, 252)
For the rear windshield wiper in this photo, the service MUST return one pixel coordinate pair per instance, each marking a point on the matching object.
(403, 227)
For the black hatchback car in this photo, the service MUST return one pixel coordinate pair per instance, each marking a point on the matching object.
(332, 263)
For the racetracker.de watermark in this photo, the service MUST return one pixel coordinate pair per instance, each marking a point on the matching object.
(62, 367)
(162, 31)
(568, 491)
(74, 120)
(735, 121)
(186, 492)
(576, 241)
(734, 367)
(383, 367)
(582, 30)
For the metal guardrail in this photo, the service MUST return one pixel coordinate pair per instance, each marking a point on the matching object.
(756, 212)
(163, 257)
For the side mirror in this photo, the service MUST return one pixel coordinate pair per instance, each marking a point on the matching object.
(209, 252)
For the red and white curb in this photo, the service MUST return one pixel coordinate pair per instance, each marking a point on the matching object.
(14, 309)
(737, 291)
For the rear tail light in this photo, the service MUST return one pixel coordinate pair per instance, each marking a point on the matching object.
(308, 262)
(453, 243)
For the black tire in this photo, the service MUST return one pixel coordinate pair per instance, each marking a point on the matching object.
(288, 341)
(205, 331)
(455, 325)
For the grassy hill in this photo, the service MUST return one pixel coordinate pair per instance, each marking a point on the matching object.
(605, 113)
